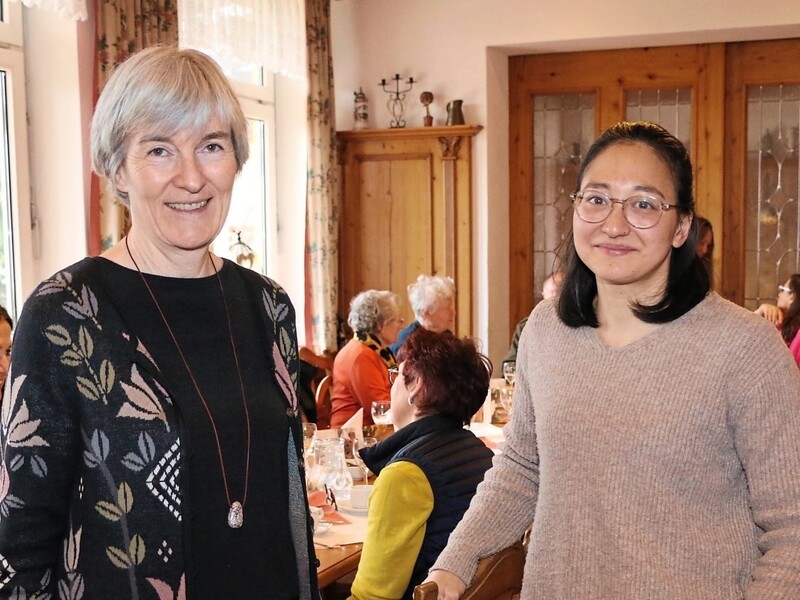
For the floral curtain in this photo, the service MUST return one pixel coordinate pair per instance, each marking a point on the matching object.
(122, 28)
(322, 190)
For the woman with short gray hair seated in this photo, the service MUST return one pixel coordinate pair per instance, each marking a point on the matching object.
(433, 299)
(361, 368)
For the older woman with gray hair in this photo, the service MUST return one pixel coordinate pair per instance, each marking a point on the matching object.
(361, 368)
(151, 434)
(433, 299)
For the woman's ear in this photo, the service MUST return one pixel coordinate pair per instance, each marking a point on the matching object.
(682, 232)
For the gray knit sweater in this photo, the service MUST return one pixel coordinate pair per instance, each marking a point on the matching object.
(668, 468)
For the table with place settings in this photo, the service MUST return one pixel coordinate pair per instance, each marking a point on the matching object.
(338, 546)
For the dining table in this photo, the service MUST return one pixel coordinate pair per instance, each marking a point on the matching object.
(338, 545)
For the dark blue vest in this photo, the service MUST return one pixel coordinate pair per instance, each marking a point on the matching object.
(454, 462)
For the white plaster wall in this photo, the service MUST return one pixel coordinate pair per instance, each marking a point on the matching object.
(458, 49)
(56, 114)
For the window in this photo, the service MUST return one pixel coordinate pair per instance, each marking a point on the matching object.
(17, 237)
(248, 234)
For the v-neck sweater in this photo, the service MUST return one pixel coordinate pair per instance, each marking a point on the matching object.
(667, 468)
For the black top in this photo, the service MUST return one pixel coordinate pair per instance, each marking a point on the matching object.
(221, 562)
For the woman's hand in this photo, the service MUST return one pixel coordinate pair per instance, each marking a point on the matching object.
(771, 313)
(450, 585)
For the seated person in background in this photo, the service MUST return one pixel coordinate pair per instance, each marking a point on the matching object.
(433, 299)
(550, 289)
(6, 325)
(786, 315)
(429, 469)
(360, 369)
(705, 243)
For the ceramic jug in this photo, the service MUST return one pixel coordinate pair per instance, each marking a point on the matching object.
(454, 114)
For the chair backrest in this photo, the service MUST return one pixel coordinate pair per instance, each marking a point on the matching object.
(498, 577)
(323, 400)
(322, 366)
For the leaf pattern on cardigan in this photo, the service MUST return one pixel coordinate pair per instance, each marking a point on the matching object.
(89, 431)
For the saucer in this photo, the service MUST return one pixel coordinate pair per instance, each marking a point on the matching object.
(322, 527)
(344, 505)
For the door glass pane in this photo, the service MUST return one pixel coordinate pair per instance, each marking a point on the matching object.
(672, 109)
(563, 127)
(7, 281)
(243, 238)
(772, 236)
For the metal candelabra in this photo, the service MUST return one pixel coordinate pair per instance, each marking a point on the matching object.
(396, 99)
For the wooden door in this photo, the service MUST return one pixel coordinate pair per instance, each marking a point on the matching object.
(406, 211)
(762, 224)
(607, 80)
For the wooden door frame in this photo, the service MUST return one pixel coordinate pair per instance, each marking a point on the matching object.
(608, 74)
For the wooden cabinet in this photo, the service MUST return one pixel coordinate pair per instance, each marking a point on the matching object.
(406, 210)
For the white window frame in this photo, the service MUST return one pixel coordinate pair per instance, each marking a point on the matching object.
(11, 26)
(23, 223)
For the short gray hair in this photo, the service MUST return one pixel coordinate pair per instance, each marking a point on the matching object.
(165, 89)
(371, 309)
(429, 292)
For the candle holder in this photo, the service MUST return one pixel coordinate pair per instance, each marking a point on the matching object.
(397, 98)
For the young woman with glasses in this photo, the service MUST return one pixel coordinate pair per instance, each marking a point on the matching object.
(649, 464)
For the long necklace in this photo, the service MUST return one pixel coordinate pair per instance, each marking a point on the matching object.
(236, 511)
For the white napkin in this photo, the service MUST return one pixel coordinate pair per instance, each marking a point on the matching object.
(355, 424)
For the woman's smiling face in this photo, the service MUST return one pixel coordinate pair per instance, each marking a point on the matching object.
(617, 253)
(179, 186)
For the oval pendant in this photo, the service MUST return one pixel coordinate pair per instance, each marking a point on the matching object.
(236, 515)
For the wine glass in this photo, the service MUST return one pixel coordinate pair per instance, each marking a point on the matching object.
(509, 371)
(381, 412)
(358, 445)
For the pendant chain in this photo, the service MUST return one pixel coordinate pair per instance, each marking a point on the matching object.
(197, 387)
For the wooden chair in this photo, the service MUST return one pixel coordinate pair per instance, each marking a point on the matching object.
(323, 400)
(498, 577)
(324, 369)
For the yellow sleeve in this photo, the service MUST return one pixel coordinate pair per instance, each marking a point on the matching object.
(399, 507)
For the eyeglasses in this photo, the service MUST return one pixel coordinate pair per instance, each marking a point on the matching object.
(393, 373)
(641, 212)
(785, 288)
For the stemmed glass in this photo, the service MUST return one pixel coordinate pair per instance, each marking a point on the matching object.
(381, 412)
(358, 445)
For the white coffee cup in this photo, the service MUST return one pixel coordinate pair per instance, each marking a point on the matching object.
(359, 496)
(316, 514)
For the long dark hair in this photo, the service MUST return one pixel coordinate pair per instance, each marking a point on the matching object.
(791, 320)
(688, 280)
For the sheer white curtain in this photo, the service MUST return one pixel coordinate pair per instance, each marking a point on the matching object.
(267, 33)
(70, 9)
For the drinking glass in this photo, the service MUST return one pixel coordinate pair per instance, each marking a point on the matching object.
(509, 371)
(358, 445)
(381, 412)
(309, 432)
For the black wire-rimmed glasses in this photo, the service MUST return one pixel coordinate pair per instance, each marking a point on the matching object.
(393, 373)
(641, 211)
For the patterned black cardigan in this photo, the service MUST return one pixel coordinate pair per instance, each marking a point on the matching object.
(90, 482)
